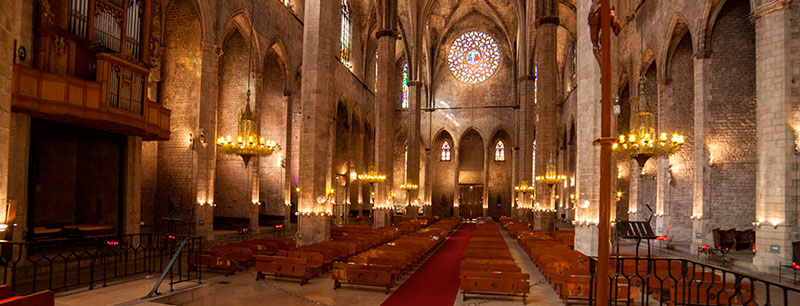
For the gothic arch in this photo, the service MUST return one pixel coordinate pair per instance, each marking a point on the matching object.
(241, 21)
(678, 27)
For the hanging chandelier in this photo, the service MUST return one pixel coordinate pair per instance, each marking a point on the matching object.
(248, 143)
(644, 142)
(372, 177)
(551, 177)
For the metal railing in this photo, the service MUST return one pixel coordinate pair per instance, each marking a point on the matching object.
(35, 266)
(682, 281)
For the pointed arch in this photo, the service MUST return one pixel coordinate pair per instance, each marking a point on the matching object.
(241, 21)
(278, 50)
(678, 27)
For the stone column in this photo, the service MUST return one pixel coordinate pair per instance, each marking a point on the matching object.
(525, 149)
(384, 130)
(257, 80)
(546, 114)
(206, 155)
(318, 108)
(413, 132)
(456, 190)
(701, 214)
(776, 204)
(7, 23)
(588, 155)
(427, 210)
(132, 158)
(486, 158)
(18, 159)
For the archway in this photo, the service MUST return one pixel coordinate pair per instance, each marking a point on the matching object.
(470, 174)
(233, 185)
(179, 91)
(272, 117)
(500, 168)
(676, 114)
(442, 174)
(731, 120)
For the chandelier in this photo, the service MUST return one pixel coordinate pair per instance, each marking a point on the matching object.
(372, 177)
(524, 188)
(248, 143)
(551, 177)
(644, 142)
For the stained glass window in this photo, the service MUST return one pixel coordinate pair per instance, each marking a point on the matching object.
(535, 83)
(446, 151)
(499, 151)
(376, 70)
(345, 39)
(474, 57)
(405, 85)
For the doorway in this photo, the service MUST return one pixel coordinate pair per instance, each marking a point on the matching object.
(470, 199)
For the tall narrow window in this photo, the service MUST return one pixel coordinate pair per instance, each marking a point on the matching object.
(533, 170)
(376, 70)
(573, 67)
(345, 44)
(535, 83)
(499, 151)
(446, 151)
(405, 85)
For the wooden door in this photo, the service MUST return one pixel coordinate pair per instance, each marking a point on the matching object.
(471, 201)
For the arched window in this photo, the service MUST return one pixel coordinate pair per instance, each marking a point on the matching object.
(446, 151)
(376, 70)
(405, 85)
(499, 151)
(345, 44)
(474, 57)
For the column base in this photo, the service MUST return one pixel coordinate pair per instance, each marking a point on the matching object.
(204, 220)
(412, 212)
(586, 239)
(381, 217)
(544, 221)
(456, 212)
(312, 229)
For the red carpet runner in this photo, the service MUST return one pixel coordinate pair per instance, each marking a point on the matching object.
(436, 282)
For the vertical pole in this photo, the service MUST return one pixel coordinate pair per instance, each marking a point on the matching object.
(605, 156)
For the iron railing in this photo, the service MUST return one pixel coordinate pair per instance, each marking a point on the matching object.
(682, 281)
(35, 266)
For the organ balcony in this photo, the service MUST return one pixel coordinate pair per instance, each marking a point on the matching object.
(92, 68)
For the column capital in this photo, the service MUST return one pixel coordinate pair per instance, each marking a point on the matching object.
(385, 32)
(209, 47)
(547, 20)
(703, 54)
(769, 7)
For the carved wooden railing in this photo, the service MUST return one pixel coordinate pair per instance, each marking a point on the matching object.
(112, 103)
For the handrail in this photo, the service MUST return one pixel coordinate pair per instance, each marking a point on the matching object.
(172, 260)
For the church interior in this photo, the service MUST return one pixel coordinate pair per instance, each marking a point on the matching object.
(399, 152)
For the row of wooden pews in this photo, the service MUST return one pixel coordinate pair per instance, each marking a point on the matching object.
(239, 256)
(384, 265)
(567, 270)
(310, 261)
(487, 267)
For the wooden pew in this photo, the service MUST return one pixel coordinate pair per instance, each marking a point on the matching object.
(282, 267)
(495, 282)
(364, 274)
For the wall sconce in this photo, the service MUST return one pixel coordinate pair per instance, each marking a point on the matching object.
(696, 217)
(796, 143)
(659, 214)
(619, 195)
(643, 172)
(775, 223)
(202, 138)
(619, 172)
(632, 211)
(711, 158)
(190, 141)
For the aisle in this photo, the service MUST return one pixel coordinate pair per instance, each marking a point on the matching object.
(436, 282)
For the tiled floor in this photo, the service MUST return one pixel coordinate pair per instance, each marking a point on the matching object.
(243, 289)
